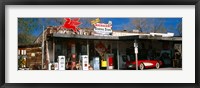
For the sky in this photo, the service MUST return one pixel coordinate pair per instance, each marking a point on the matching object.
(117, 24)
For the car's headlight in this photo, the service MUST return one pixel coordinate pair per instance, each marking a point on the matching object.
(130, 66)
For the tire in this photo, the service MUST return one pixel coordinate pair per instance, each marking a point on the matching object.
(141, 66)
(157, 65)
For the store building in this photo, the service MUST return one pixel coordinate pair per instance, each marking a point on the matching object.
(105, 51)
(29, 56)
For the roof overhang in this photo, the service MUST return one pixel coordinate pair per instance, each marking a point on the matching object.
(92, 37)
(131, 37)
(29, 45)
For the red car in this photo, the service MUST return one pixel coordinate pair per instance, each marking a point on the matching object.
(143, 63)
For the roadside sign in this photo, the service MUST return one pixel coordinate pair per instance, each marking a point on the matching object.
(136, 50)
(135, 44)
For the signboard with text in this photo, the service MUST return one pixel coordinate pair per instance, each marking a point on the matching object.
(103, 29)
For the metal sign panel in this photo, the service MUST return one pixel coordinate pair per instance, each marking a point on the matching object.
(85, 62)
(61, 62)
(136, 50)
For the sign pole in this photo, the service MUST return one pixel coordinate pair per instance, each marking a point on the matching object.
(118, 55)
(136, 52)
(136, 61)
(88, 48)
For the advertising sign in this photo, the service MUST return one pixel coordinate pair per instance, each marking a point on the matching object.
(102, 25)
(136, 50)
(85, 62)
(103, 29)
(72, 24)
(61, 62)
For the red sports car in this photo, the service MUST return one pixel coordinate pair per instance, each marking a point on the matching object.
(143, 63)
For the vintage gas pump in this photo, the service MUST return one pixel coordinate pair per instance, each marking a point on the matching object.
(61, 62)
(96, 62)
(109, 58)
(85, 62)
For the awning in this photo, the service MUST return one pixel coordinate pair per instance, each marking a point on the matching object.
(131, 37)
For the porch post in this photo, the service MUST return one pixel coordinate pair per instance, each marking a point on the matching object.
(117, 55)
(88, 49)
(43, 48)
(53, 50)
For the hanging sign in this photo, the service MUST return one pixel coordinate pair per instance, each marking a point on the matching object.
(136, 50)
(100, 47)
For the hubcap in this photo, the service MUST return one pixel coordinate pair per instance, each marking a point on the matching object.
(157, 65)
(141, 66)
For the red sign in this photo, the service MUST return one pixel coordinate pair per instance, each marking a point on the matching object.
(72, 24)
(102, 25)
(100, 47)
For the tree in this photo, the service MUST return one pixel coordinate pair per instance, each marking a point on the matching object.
(128, 26)
(86, 23)
(162, 29)
(179, 27)
(24, 38)
(140, 24)
(27, 26)
(157, 25)
(150, 24)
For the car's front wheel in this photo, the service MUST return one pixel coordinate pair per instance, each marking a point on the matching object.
(157, 65)
(141, 66)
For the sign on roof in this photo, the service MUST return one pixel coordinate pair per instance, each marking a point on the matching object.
(72, 24)
(97, 25)
(103, 29)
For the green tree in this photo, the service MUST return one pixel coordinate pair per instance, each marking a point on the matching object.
(24, 38)
(27, 26)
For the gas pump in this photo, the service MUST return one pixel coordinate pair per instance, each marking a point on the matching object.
(61, 62)
(96, 63)
(85, 62)
(109, 58)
